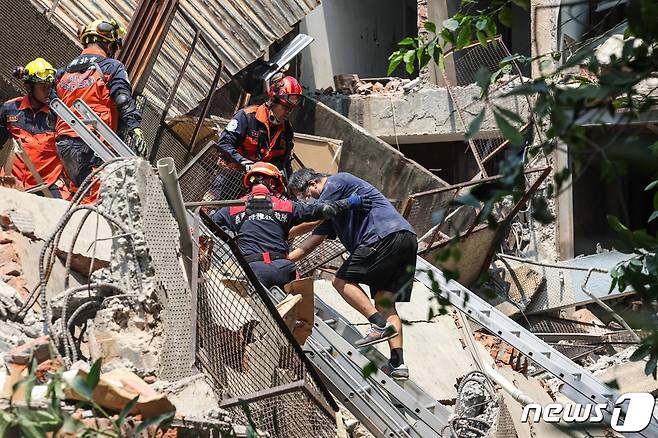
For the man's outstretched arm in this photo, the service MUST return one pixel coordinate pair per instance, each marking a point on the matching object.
(306, 247)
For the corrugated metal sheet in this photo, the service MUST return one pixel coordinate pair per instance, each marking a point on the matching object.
(240, 31)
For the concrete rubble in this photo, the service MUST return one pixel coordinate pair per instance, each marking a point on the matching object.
(125, 332)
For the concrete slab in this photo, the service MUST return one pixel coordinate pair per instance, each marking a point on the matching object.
(426, 115)
(630, 377)
(365, 155)
(563, 286)
(45, 214)
(432, 348)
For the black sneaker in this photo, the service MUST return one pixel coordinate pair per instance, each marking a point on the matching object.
(377, 334)
(400, 372)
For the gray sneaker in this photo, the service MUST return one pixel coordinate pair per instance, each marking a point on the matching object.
(400, 372)
(377, 334)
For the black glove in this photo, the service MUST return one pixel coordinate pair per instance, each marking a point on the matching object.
(247, 164)
(331, 209)
(137, 142)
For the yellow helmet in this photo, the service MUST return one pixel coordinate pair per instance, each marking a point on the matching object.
(38, 70)
(102, 30)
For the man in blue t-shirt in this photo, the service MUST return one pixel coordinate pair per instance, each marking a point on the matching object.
(382, 246)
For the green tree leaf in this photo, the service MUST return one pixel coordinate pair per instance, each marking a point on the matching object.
(524, 4)
(7, 420)
(475, 125)
(79, 385)
(430, 26)
(615, 224)
(394, 61)
(94, 374)
(408, 41)
(451, 24)
(508, 131)
(441, 62)
(505, 16)
(369, 369)
(482, 38)
(464, 37)
(511, 115)
(127, 409)
(157, 421)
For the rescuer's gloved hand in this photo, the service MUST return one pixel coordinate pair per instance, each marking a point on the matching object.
(363, 203)
(331, 209)
(137, 142)
(247, 164)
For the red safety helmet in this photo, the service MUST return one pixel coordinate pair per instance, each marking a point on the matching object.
(264, 169)
(286, 91)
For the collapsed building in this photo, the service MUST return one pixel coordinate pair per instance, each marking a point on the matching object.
(121, 282)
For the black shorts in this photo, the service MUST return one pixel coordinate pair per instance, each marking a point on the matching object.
(387, 265)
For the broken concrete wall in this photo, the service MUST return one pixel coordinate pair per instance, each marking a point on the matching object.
(148, 260)
(424, 115)
(364, 155)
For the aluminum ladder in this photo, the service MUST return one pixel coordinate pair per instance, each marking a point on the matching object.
(386, 407)
(579, 384)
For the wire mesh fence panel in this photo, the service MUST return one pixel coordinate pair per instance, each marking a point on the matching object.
(471, 59)
(327, 251)
(210, 178)
(467, 63)
(245, 347)
(422, 215)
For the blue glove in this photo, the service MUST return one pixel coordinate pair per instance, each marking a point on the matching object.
(355, 201)
(364, 203)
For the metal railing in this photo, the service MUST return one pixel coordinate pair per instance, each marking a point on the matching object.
(437, 218)
(467, 63)
(245, 347)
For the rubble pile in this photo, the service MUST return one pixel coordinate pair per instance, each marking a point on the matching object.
(112, 316)
(349, 84)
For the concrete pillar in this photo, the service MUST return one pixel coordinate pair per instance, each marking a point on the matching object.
(545, 17)
(436, 11)
(564, 205)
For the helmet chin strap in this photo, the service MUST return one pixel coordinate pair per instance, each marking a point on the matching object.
(272, 118)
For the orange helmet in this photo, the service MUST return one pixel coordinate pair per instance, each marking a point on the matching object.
(286, 91)
(264, 169)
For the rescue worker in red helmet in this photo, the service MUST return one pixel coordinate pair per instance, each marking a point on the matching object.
(262, 225)
(260, 133)
(102, 83)
(28, 120)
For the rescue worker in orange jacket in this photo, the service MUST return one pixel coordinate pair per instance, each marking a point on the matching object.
(102, 83)
(262, 225)
(260, 133)
(28, 120)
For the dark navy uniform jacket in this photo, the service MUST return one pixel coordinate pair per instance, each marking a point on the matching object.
(264, 232)
(355, 227)
(250, 135)
(97, 88)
